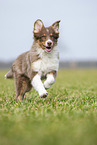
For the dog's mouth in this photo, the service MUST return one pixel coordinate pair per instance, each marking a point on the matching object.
(47, 48)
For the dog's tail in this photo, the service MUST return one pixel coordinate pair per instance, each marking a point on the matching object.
(9, 75)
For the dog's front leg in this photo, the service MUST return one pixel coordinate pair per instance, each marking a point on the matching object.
(50, 80)
(38, 85)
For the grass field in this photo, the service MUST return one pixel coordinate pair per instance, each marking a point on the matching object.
(68, 116)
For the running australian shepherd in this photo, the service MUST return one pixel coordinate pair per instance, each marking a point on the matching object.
(40, 62)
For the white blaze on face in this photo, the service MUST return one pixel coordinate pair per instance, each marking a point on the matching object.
(48, 40)
(47, 30)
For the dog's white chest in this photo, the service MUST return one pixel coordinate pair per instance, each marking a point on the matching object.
(47, 62)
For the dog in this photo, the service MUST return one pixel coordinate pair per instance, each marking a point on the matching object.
(40, 62)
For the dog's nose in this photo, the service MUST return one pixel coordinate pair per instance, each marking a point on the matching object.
(49, 43)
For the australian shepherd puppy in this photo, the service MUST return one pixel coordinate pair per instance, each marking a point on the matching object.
(40, 62)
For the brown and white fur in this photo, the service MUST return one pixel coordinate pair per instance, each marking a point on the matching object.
(41, 62)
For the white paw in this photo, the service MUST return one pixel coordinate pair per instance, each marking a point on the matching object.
(49, 81)
(47, 85)
(43, 94)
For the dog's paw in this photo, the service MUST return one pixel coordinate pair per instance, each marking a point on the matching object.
(43, 94)
(48, 85)
(49, 81)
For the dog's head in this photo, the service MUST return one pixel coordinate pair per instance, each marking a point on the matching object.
(46, 37)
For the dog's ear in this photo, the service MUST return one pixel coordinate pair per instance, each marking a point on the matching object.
(56, 26)
(38, 26)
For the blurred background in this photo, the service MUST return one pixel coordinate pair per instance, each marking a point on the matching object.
(78, 29)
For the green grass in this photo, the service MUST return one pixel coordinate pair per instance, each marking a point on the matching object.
(68, 116)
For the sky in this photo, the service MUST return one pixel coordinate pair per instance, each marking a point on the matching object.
(78, 27)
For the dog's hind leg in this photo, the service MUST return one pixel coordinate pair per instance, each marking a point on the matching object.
(23, 85)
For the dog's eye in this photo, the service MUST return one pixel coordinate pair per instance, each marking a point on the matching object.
(53, 36)
(43, 36)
